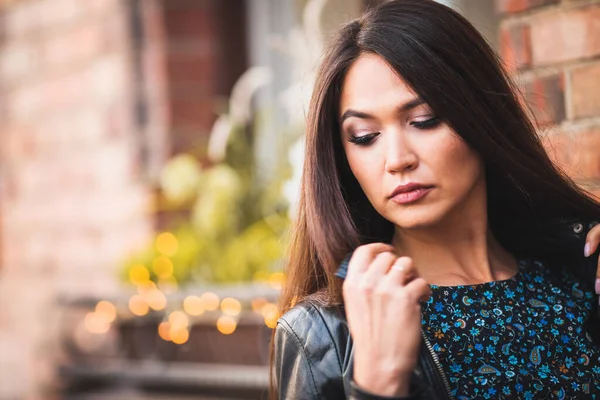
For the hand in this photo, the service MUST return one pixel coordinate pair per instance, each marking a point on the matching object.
(591, 245)
(381, 296)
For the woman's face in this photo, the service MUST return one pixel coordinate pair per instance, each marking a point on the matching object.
(392, 139)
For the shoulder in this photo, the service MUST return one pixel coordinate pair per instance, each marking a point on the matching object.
(307, 316)
(316, 327)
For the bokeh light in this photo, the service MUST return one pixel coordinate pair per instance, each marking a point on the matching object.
(210, 301)
(107, 310)
(276, 280)
(139, 274)
(226, 324)
(166, 244)
(179, 336)
(258, 303)
(163, 331)
(231, 306)
(156, 299)
(96, 323)
(162, 267)
(269, 313)
(178, 319)
(146, 287)
(193, 305)
(138, 306)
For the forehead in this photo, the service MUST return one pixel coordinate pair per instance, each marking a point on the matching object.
(371, 83)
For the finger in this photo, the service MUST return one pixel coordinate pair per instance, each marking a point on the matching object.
(379, 267)
(363, 256)
(419, 288)
(591, 241)
(403, 271)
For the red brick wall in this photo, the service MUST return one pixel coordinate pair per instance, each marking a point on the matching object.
(206, 54)
(73, 200)
(553, 48)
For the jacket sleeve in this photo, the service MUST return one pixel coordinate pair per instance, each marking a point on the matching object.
(304, 370)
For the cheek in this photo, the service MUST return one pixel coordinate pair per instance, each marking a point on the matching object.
(456, 163)
(367, 167)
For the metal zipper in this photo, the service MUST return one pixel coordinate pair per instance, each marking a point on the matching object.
(437, 364)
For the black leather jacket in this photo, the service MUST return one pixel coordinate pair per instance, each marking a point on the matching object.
(313, 347)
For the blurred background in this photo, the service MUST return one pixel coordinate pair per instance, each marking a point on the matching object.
(150, 157)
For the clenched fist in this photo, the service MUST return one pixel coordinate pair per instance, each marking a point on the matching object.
(382, 294)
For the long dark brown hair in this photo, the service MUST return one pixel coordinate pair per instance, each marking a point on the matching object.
(453, 69)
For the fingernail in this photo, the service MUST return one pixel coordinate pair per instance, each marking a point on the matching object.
(597, 286)
(586, 250)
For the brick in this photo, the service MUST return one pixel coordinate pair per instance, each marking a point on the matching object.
(576, 153)
(515, 6)
(154, 22)
(515, 46)
(198, 114)
(191, 68)
(585, 96)
(546, 99)
(566, 35)
(188, 23)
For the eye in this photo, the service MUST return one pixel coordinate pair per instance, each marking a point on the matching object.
(363, 140)
(427, 124)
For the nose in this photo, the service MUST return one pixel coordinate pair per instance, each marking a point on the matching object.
(400, 156)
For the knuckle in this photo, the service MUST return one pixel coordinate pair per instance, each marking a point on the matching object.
(366, 287)
(384, 290)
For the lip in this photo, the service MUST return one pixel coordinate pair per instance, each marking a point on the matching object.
(409, 193)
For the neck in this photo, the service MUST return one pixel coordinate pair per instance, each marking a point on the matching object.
(459, 252)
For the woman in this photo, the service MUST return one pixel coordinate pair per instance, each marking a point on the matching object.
(471, 273)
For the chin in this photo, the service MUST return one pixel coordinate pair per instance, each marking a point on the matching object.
(419, 217)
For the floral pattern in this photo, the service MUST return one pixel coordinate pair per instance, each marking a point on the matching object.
(518, 338)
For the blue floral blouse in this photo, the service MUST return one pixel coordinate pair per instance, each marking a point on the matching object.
(518, 338)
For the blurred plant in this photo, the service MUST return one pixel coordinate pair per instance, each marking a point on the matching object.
(232, 229)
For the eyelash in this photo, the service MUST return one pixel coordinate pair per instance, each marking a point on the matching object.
(364, 140)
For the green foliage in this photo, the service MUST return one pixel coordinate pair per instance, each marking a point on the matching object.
(233, 227)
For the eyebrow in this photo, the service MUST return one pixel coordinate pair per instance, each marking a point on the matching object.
(359, 114)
